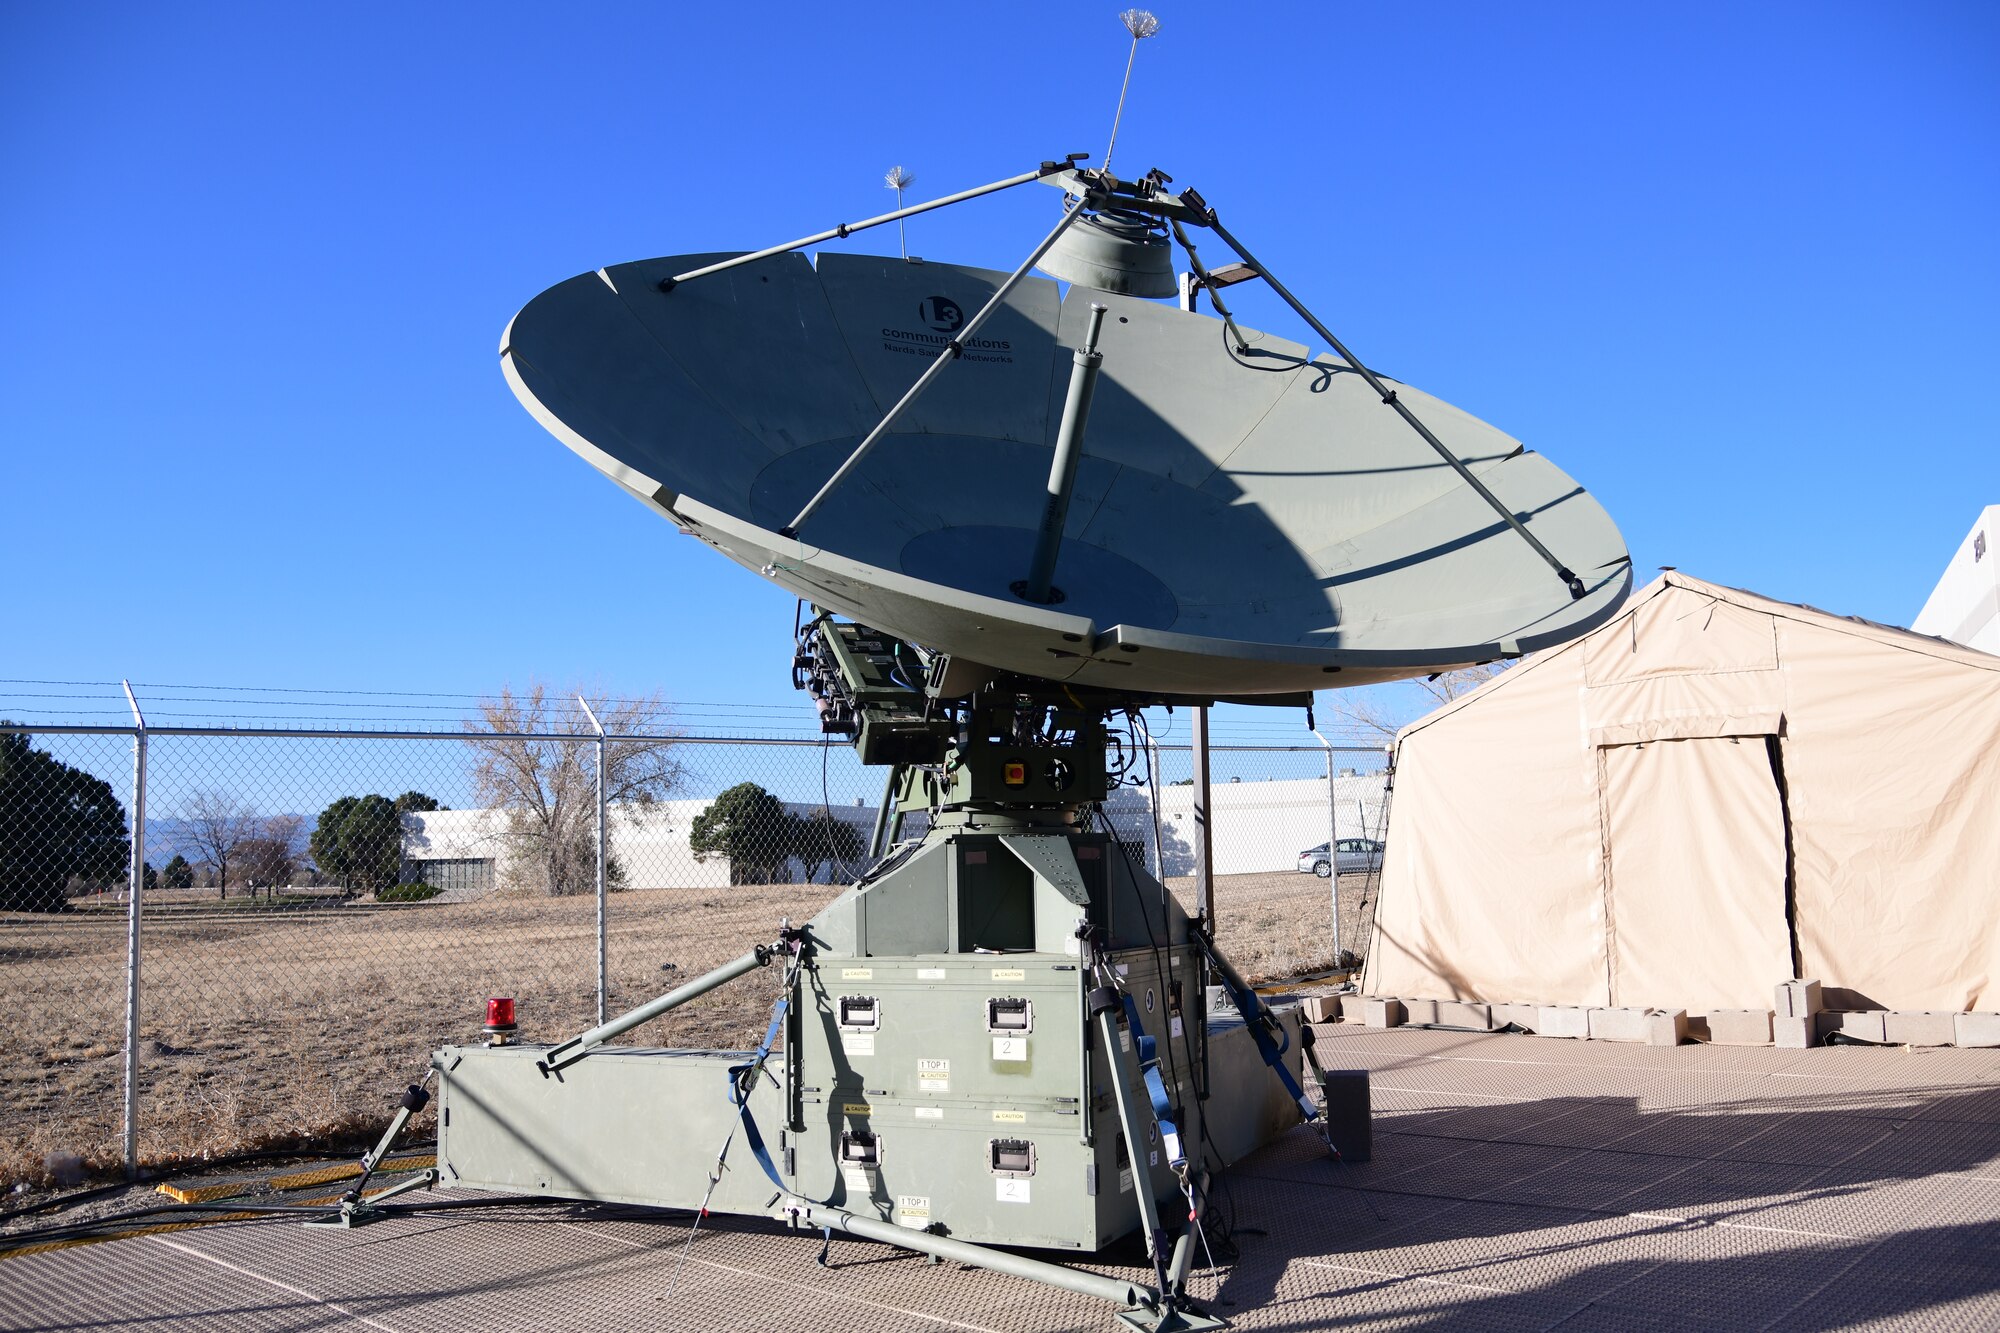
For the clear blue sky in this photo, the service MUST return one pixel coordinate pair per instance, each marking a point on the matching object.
(1734, 267)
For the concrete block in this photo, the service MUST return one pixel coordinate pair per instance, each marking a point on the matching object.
(1793, 1033)
(1739, 1027)
(1975, 1029)
(1799, 999)
(1465, 1014)
(1617, 1024)
(1562, 1020)
(1922, 1027)
(1380, 1011)
(1528, 1016)
(1321, 1008)
(1861, 1024)
(1420, 1011)
(1666, 1027)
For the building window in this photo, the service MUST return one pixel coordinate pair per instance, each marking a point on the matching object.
(467, 879)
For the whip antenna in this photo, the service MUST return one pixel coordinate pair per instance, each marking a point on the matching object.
(899, 179)
(1141, 23)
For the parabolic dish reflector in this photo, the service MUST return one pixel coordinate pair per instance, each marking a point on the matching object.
(1241, 523)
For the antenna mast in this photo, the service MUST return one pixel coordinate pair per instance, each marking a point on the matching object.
(1141, 23)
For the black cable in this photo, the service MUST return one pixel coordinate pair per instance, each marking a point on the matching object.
(69, 1200)
(1230, 349)
(839, 862)
(1218, 1223)
(175, 1173)
(16, 1239)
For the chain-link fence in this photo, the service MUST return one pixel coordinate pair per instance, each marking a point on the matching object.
(317, 910)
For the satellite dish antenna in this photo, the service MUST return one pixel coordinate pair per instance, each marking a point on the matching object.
(1039, 509)
(1086, 487)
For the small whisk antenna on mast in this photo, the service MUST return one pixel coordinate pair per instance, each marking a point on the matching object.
(1141, 23)
(899, 178)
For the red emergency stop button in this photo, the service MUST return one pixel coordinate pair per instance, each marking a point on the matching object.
(1014, 773)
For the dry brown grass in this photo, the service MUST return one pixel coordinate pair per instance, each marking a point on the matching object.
(278, 1027)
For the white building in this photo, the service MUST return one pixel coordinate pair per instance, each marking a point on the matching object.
(1260, 827)
(469, 854)
(1965, 605)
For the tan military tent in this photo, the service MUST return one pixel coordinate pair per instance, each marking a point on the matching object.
(1709, 794)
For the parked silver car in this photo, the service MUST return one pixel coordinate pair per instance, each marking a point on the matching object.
(1356, 855)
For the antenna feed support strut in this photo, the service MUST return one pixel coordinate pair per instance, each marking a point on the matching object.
(1085, 363)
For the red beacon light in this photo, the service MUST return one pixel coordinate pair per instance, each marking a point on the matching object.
(499, 1021)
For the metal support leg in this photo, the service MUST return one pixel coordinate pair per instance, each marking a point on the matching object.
(1125, 1091)
(563, 1056)
(1177, 1272)
(846, 229)
(1332, 845)
(1204, 824)
(358, 1210)
(1388, 396)
(879, 841)
(820, 1215)
(946, 357)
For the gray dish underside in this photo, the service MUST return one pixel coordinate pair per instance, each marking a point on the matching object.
(1240, 525)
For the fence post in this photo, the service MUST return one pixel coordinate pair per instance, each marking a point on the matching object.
(1332, 843)
(136, 891)
(602, 854)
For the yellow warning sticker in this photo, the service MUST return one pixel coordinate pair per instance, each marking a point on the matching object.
(856, 1108)
(857, 974)
(1010, 1117)
(1009, 974)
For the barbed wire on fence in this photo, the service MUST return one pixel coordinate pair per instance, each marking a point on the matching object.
(55, 701)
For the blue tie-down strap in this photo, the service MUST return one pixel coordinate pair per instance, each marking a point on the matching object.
(1274, 1056)
(1257, 1016)
(1156, 1087)
(743, 1078)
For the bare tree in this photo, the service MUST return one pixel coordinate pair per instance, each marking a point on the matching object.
(548, 788)
(270, 856)
(217, 826)
(1374, 709)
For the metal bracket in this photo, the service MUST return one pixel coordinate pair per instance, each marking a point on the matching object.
(1053, 861)
(1180, 1319)
(358, 1212)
